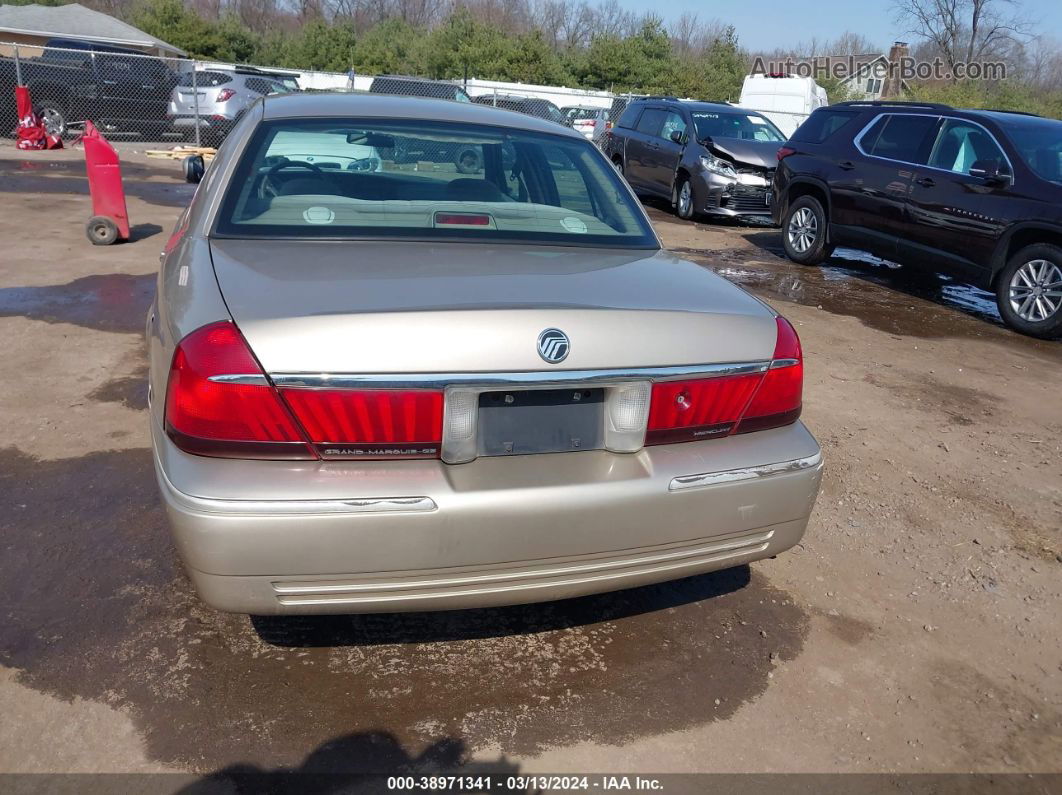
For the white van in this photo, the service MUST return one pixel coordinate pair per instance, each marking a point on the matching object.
(786, 101)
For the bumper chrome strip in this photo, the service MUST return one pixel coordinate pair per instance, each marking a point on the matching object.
(748, 473)
(536, 377)
(308, 507)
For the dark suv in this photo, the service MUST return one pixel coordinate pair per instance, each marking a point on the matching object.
(974, 192)
(703, 157)
(532, 106)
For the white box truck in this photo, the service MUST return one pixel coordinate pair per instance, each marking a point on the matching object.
(785, 100)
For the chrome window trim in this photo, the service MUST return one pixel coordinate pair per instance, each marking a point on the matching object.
(749, 473)
(538, 378)
(858, 143)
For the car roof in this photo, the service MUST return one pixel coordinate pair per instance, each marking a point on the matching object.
(695, 104)
(291, 106)
(1000, 117)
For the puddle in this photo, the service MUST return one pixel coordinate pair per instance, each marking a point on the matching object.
(883, 295)
(15, 167)
(105, 302)
(165, 194)
(97, 608)
(131, 391)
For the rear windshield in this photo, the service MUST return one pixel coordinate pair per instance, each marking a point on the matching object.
(204, 79)
(823, 123)
(364, 178)
(575, 114)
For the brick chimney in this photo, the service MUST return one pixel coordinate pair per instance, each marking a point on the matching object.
(893, 88)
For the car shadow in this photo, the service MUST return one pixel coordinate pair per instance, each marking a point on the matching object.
(482, 623)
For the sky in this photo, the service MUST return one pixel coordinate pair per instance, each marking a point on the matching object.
(767, 24)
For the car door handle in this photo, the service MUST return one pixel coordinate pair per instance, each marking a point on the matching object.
(926, 182)
(847, 165)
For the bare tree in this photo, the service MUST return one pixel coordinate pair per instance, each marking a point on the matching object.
(963, 30)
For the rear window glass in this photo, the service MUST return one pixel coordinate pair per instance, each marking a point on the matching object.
(427, 180)
(204, 79)
(629, 117)
(900, 137)
(576, 114)
(822, 124)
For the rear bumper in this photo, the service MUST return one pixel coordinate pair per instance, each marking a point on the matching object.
(344, 537)
(205, 122)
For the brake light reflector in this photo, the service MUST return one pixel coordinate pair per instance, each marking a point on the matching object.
(685, 411)
(220, 403)
(682, 411)
(370, 423)
(225, 95)
(778, 400)
(784, 152)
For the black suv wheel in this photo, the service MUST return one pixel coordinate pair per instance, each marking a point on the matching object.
(804, 232)
(1029, 291)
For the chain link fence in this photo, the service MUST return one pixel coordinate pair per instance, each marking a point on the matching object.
(179, 100)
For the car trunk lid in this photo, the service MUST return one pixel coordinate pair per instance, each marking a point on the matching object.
(374, 307)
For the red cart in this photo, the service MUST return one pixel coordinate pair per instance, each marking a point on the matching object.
(110, 219)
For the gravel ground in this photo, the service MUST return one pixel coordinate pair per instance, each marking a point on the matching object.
(915, 629)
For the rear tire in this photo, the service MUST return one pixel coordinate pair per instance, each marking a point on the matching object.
(101, 230)
(1029, 291)
(683, 199)
(804, 232)
(193, 167)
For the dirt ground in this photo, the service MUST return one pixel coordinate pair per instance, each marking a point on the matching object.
(916, 628)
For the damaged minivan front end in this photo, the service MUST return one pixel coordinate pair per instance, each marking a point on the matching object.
(733, 177)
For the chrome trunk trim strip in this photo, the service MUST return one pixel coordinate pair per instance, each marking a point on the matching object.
(748, 473)
(252, 379)
(536, 377)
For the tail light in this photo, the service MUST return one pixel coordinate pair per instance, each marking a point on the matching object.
(784, 152)
(777, 401)
(219, 402)
(225, 95)
(591, 123)
(369, 423)
(684, 411)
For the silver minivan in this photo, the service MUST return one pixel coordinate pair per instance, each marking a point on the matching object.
(218, 97)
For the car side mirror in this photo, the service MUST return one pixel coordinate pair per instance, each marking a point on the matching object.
(991, 171)
(677, 136)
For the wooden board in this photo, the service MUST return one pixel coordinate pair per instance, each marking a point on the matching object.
(181, 152)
